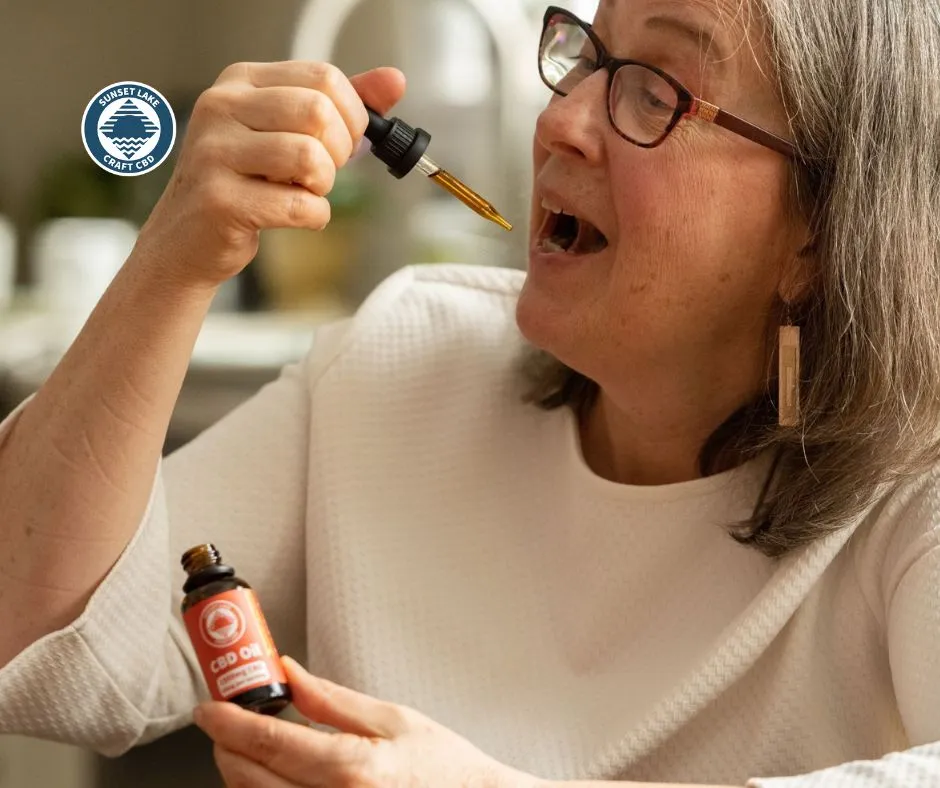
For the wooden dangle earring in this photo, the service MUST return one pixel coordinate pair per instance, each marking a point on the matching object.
(788, 380)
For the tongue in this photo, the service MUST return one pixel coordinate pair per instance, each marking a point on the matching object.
(589, 239)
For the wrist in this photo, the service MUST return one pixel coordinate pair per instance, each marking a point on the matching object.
(159, 273)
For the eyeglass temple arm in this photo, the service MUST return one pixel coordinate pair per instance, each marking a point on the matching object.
(712, 114)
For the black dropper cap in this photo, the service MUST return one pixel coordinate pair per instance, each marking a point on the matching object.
(396, 143)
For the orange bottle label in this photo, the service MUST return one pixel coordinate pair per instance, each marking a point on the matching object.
(233, 644)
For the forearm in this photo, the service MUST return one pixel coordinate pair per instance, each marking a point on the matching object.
(77, 468)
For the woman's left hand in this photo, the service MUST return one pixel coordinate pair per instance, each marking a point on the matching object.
(378, 744)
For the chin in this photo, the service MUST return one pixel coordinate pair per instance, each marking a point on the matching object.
(563, 322)
(543, 321)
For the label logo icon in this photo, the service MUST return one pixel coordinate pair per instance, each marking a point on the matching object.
(128, 128)
(221, 624)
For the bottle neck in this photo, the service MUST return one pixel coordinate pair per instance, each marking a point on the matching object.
(207, 575)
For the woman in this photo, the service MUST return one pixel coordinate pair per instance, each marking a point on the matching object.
(533, 549)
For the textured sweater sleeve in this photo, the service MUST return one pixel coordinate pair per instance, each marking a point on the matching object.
(123, 673)
(908, 602)
(918, 767)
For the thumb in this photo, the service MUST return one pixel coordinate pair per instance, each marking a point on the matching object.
(324, 702)
(381, 88)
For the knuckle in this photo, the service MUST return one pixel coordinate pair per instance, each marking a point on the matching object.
(307, 157)
(312, 109)
(330, 76)
(204, 103)
(384, 765)
(398, 718)
(297, 208)
(266, 740)
(361, 762)
(211, 104)
(307, 210)
(234, 71)
(204, 156)
(215, 199)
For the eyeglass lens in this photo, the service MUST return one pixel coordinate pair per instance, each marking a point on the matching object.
(642, 104)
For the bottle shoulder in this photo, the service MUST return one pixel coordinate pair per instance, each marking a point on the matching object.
(210, 588)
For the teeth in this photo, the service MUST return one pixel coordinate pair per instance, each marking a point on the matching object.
(549, 207)
(548, 245)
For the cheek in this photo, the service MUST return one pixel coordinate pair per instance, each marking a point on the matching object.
(690, 233)
(654, 237)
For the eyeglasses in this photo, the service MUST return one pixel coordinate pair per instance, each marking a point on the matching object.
(644, 104)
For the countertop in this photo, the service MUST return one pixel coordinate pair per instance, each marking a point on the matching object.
(235, 354)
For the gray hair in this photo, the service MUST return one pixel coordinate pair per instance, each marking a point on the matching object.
(860, 81)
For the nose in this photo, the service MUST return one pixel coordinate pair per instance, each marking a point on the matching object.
(576, 125)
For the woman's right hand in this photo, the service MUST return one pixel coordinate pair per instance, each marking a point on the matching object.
(262, 150)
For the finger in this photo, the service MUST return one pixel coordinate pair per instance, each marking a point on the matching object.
(260, 205)
(291, 751)
(241, 772)
(292, 109)
(323, 77)
(381, 88)
(281, 156)
(339, 707)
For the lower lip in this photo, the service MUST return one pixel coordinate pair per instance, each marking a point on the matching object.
(541, 258)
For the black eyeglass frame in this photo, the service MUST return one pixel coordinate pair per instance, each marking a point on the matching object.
(688, 103)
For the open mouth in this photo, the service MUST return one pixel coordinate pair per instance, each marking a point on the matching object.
(562, 232)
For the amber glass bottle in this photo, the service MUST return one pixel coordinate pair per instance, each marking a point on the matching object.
(230, 636)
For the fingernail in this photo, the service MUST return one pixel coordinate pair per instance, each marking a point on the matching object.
(199, 716)
(361, 149)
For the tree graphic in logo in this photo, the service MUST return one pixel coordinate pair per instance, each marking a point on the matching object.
(222, 624)
(129, 129)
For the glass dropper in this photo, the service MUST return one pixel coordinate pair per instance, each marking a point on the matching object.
(402, 148)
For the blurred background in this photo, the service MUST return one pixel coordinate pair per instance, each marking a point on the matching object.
(66, 226)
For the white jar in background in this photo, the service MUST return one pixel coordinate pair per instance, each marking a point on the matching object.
(7, 262)
(74, 261)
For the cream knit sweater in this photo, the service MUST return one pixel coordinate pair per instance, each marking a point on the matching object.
(416, 531)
